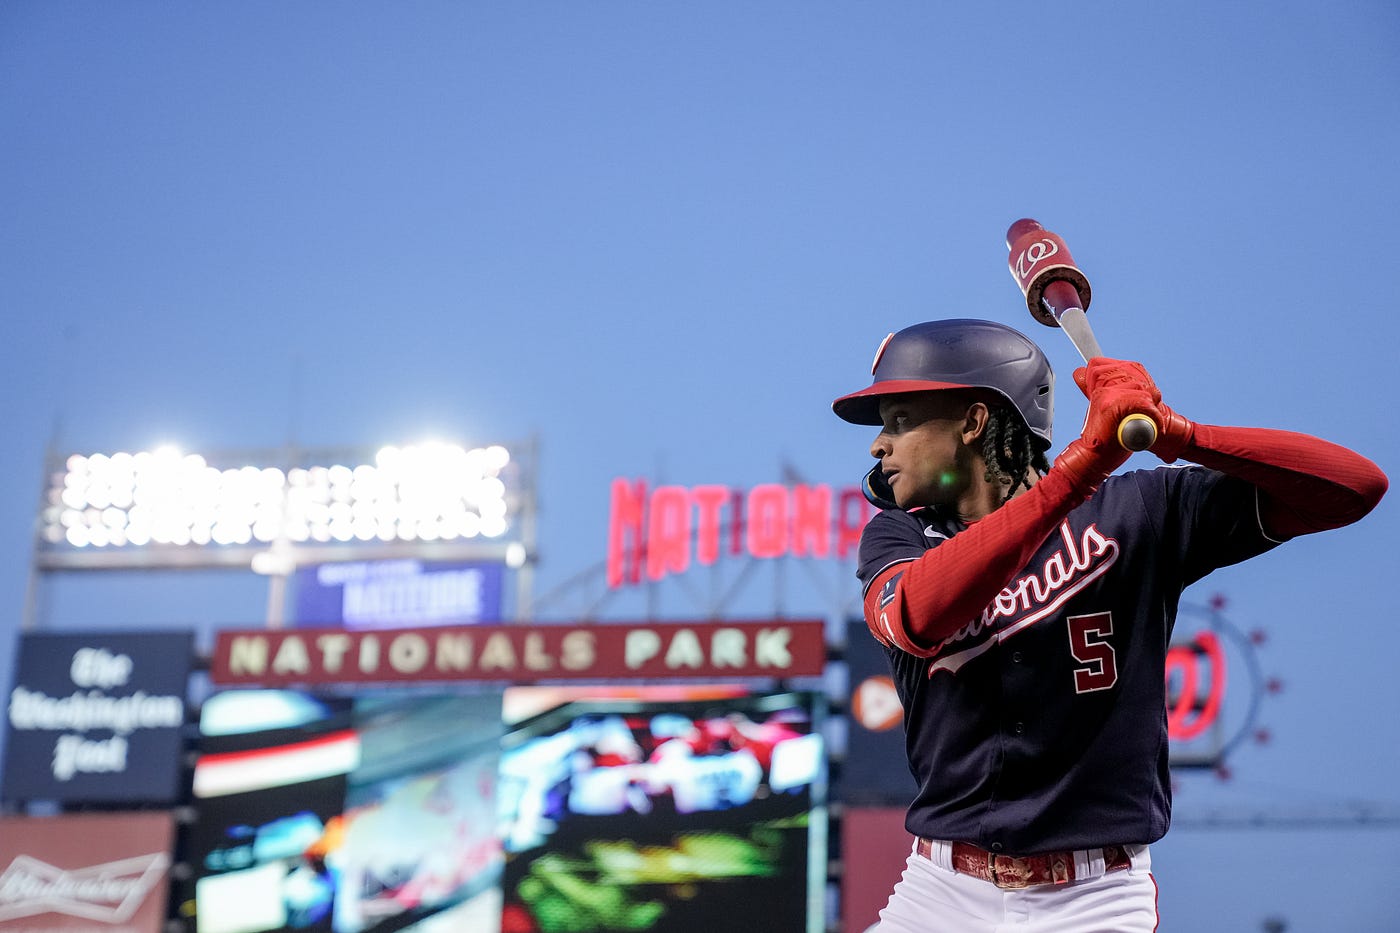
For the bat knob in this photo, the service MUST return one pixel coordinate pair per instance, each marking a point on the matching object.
(1020, 228)
(1137, 432)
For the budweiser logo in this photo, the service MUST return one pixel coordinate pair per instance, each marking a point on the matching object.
(109, 892)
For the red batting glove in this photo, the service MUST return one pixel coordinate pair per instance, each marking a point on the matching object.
(1123, 377)
(1116, 389)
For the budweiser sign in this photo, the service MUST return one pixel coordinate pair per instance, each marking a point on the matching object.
(109, 892)
(103, 873)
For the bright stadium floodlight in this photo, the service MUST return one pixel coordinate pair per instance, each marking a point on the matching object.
(433, 492)
(280, 512)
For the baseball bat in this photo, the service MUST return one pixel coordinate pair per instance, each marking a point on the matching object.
(1058, 294)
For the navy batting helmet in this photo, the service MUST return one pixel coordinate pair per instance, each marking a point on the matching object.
(959, 354)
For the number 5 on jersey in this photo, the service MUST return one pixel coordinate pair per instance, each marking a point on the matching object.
(1088, 642)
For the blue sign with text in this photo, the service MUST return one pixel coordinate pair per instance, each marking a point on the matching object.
(398, 593)
(97, 717)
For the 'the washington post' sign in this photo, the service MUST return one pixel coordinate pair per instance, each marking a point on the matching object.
(96, 717)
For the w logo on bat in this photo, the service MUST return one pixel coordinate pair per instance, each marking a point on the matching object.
(1034, 255)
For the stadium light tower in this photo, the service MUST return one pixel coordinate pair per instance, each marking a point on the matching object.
(275, 512)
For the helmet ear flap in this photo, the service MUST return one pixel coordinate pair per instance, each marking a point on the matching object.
(877, 491)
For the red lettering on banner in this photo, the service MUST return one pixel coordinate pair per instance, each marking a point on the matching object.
(737, 522)
(662, 528)
(668, 532)
(626, 537)
(708, 500)
(851, 522)
(768, 521)
(811, 521)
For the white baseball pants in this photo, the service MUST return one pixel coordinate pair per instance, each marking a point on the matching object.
(932, 898)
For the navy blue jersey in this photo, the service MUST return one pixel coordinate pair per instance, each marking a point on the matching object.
(1041, 724)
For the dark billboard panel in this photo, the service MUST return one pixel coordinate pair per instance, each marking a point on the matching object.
(96, 717)
(876, 770)
(94, 873)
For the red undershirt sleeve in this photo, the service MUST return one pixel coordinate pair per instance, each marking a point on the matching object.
(1306, 484)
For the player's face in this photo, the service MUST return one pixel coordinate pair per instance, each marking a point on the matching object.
(920, 447)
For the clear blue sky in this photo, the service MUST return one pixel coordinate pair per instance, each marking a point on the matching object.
(662, 237)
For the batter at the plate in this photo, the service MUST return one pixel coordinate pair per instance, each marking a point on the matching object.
(1026, 610)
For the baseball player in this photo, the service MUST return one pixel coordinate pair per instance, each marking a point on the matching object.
(1026, 610)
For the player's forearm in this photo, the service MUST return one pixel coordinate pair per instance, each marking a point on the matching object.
(1307, 484)
(952, 584)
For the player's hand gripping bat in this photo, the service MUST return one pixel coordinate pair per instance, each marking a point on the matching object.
(1057, 294)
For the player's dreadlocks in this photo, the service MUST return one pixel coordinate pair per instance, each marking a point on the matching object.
(1010, 450)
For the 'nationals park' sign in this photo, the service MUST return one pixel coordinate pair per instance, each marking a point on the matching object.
(519, 653)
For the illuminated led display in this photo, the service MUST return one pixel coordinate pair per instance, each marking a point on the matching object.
(424, 493)
(654, 532)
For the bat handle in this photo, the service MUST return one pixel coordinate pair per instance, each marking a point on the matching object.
(1137, 432)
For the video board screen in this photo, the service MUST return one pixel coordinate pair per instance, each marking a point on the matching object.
(545, 809)
(341, 815)
(664, 812)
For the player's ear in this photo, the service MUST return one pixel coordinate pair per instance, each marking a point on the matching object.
(975, 423)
